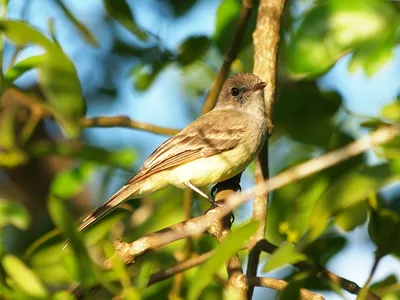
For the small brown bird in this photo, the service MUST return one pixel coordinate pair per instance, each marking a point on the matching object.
(217, 146)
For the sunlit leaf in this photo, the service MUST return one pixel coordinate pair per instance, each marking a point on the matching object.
(10, 154)
(371, 58)
(392, 112)
(285, 254)
(57, 75)
(24, 277)
(120, 10)
(69, 183)
(227, 18)
(89, 37)
(76, 260)
(98, 232)
(144, 75)
(21, 67)
(347, 191)
(63, 295)
(381, 285)
(228, 247)
(353, 216)
(337, 27)
(290, 208)
(45, 258)
(14, 214)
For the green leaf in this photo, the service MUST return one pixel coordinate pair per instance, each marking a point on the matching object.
(21, 67)
(383, 284)
(77, 260)
(192, 49)
(98, 232)
(290, 208)
(285, 254)
(14, 214)
(228, 247)
(24, 277)
(392, 112)
(373, 123)
(354, 216)
(179, 8)
(336, 27)
(63, 295)
(144, 75)
(46, 258)
(348, 190)
(325, 247)
(89, 37)
(69, 183)
(10, 154)
(120, 10)
(227, 18)
(384, 231)
(291, 292)
(305, 113)
(371, 58)
(57, 75)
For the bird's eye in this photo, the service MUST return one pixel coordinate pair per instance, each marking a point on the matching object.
(235, 91)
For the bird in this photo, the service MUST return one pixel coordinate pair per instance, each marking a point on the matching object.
(215, 147)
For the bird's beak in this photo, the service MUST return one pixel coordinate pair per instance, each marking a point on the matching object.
(258, 86)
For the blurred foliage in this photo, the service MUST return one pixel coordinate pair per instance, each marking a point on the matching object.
(308, 220)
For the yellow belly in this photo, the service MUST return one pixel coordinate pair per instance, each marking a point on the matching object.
(210, 170)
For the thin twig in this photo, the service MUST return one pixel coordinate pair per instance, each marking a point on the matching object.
(230, 56)
(179, 268)
(364, 291)
(280, 285)
(124, 121)
(266, 40)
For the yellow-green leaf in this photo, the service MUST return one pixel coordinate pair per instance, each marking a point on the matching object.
(229, 246)
(286, 254)
(24, 277)
(57, 75)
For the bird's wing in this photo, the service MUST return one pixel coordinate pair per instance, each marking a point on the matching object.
(203, 138)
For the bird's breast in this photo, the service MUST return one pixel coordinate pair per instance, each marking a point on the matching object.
(213, 169)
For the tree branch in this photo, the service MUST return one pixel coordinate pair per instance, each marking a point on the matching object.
(124, 121)
(266, 40)
(221, 229)
(178, 268)
(230, 56)
(280, 285)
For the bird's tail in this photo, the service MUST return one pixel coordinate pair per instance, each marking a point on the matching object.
(111, 204)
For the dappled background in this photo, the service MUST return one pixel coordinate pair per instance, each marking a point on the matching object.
(154, 61)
